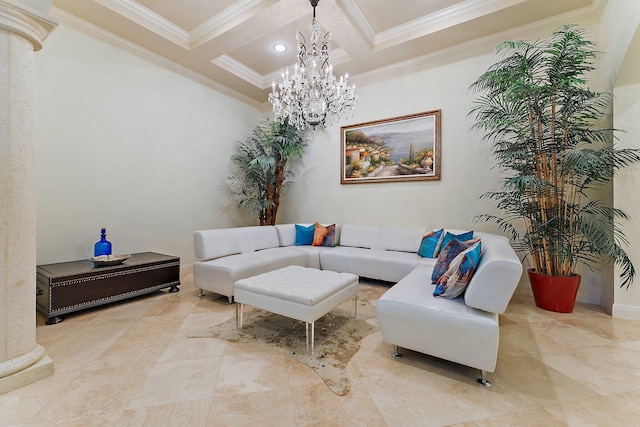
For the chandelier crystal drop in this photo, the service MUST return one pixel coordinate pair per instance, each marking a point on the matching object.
(311, 95)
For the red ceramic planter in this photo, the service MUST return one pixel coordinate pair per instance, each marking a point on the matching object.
(554, 293)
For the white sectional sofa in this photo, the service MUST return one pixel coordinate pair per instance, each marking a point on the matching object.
(463, 330)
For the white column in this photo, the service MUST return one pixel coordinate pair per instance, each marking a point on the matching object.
(23, 27)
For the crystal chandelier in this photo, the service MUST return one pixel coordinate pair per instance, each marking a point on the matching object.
(311, 95)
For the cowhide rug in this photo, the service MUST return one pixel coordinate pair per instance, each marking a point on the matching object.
(337, 336)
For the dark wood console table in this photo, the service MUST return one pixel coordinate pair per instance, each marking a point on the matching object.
(71, 286)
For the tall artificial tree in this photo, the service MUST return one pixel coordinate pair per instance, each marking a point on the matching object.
(541, 119)
(260, 167)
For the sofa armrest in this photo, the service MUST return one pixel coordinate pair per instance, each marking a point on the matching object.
(497, 276)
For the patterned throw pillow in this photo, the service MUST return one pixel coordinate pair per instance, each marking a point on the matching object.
(304, 235)
(444, 241)
(330, 240)
(429, 243)
(319, 234)
(446, 255)
(454, 281)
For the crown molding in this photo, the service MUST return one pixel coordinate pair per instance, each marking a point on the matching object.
(482, 44)
(240, 70)
(446, 18)
(150, 20)
(355, 15)
(119, 42)
(230, 17)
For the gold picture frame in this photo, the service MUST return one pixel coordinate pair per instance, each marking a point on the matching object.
(399, 149)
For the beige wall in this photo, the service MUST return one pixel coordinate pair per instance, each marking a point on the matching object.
(125, 144)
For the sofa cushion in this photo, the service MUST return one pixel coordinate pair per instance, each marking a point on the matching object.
(216, 243)
(455, 280)
(390, 266)
(275, 258)
(304, 235)
(399, 239)
(259, 237)
(359, 236)
(286, 234)
(429, 243)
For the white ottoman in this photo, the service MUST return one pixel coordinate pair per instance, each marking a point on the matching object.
(301, 293)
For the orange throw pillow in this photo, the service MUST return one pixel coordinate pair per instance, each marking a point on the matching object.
(319, 234)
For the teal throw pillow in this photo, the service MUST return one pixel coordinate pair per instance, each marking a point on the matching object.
(450, 236)
(304, 235)
(429, 243)
(455, 280)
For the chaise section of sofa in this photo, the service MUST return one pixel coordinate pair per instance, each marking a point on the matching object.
(464, 330)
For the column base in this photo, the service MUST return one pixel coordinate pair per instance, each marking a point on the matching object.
(42, 369)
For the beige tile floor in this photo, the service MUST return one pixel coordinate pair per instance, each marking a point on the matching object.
(130, 364)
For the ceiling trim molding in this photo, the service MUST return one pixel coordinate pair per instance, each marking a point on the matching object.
(353, 12)
(226, 20)
(477, 46)
(150, 20)
(240, 70)
(93, 30)
(446, 18)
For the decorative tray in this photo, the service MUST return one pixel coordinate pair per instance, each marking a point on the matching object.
(104, 260)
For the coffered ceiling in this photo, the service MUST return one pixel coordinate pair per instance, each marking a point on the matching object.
(229, 43)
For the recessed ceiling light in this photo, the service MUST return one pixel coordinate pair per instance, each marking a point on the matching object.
(279, 47)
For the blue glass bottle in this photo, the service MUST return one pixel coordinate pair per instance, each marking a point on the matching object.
(103, 247)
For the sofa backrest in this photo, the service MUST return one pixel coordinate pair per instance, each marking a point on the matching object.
(497, 276)
(287, 233)
(381, 237)
(216, 243)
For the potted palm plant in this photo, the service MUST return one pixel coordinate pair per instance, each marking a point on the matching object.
(541, 119)
(261, 167)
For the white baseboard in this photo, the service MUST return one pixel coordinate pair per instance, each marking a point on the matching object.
(625, 311)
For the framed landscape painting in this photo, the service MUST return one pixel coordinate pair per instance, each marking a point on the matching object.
(405, 148)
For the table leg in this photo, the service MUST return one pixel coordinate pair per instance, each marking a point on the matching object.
(54, 320)
(313, 332)
(306, 335)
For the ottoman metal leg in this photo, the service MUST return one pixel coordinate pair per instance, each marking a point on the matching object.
(355, 307)
(239, 310)
(313, 329)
